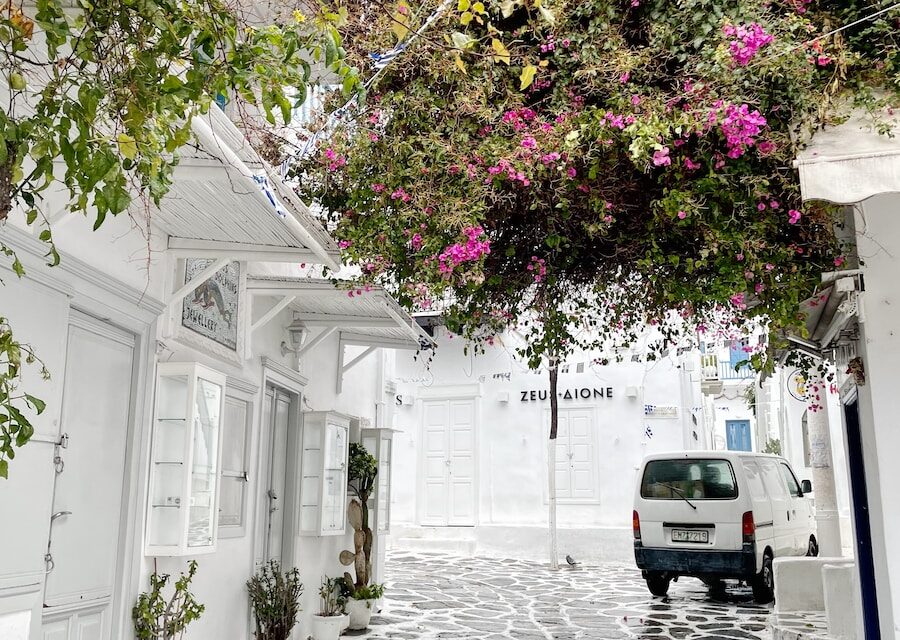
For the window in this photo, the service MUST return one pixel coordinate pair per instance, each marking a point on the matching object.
(692, 479)
(772, 478)
(790, 480)
(754, 481)
(233, 498)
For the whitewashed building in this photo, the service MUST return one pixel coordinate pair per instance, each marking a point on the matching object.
(470, 469)
(203, 394)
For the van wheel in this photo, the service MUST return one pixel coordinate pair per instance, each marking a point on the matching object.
(658, 583)
(764, 582)
(812, 550)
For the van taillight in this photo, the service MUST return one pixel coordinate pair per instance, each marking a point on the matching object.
(636, 525)
(748, 527)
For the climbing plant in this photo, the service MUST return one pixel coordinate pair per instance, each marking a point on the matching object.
(99, 96)
(582, 170)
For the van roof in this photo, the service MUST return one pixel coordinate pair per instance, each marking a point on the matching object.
(720, 455)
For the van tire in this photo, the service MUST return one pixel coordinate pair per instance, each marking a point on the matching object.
(764, 582)
(658, 583)
(812, 550)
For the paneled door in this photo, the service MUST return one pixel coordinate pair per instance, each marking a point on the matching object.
(83, 549)
(737, 435)
(575, 459)
(448, 452)
(277, 413)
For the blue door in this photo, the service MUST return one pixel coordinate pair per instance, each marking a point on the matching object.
(737, 435)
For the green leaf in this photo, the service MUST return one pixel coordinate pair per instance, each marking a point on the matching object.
(461, 40)
(38, 404)
(4, 469)
(127, 146)
(463, 5)
(501, 53)
(17, 81)
(527, 76)
(466, 18)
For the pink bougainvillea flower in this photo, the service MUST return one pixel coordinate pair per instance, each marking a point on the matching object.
(625, 77)
(689, 164)
(344, 244)
(769, 266)
(740, 127)
(739, 257)
(761, 206)
(747, 40)
(661, 157)
(529, 142)
(794, 216)
(571, 172)
(739, 300)
(839, 261)
(378, 187)
(765, 147)
(682, 215)
(774, 204)
(635, 100)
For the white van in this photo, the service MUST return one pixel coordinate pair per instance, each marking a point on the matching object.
(718, 515)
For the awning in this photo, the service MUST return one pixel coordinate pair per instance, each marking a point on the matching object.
(227, 202)
(851, 161)
(369, 319)
(828, 313)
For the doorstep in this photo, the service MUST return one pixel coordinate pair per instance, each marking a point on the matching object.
(800, 625)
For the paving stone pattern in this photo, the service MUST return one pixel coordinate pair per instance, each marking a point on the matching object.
(442, 597)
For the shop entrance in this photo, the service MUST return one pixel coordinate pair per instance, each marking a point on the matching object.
(575, 463)
(449, 462)
(83, 549)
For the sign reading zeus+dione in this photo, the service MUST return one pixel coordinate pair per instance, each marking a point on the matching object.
(578, 393)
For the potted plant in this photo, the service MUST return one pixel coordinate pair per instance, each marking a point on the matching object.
(156, 618)
(275, 598)
(331, 620)
(359, 593)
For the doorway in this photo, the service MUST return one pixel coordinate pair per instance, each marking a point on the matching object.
(83, 548)
(449, 462)
(575, 464)
(279, 422)
(737, 435)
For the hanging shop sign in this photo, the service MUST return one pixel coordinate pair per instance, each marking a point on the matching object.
(212, 309)
(578, 393)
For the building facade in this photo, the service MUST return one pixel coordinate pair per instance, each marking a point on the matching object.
(202, 396)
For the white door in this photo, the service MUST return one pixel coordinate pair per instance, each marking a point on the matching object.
(781, 508)
(575, 462)
(88, 494)
(449, 462)
(277, 418)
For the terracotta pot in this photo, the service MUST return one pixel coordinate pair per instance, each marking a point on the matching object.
(329, 627)
(360, 612)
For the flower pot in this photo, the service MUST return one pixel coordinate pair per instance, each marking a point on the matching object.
(329, 627)
(360, 612)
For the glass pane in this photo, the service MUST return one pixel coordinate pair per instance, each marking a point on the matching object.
(692, 479)
(231, 502)
(790, 480)
(203, 470)
(772, 479)
(234, 432)
(333, 503)
(335, 446)
(167, 467)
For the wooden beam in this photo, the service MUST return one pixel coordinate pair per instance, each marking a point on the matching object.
(357, 359)
(269, 315)
(315, 342)
(340, 320)
(199, 279)
(191, 248)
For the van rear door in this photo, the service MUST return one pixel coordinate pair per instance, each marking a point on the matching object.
(689, 503)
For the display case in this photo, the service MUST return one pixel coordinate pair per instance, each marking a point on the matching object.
(184, 462)
(380, 443)
(323, 468)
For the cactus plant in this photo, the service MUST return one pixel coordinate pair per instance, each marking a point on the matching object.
(361, 479)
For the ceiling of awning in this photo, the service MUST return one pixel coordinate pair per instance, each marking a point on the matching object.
(851, 161)
(217, 207)
(366, 318)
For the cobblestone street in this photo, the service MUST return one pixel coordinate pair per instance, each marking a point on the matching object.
(432, 596)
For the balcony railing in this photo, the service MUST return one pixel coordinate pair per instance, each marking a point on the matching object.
(714, 370)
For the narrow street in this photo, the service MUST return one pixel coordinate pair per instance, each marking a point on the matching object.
(435, 595)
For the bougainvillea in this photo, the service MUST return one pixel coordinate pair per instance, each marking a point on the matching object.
(584, 169)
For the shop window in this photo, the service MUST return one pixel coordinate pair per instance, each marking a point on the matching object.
(235, 465)
(323, 468)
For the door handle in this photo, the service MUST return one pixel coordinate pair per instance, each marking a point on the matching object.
(789, 515)
(59, 514)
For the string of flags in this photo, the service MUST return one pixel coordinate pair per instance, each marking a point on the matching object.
(267, 190)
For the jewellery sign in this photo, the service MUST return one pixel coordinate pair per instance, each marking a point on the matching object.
(582, 393)
(212, 309)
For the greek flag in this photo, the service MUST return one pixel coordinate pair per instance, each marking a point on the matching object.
(648, 432)
(267, 190)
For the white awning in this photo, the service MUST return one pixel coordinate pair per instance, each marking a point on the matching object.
(226, 201)
(372, 318)
(850, 162)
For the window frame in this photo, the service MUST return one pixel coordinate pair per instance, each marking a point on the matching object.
(786, 469)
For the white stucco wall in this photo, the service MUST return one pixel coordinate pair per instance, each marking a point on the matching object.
(511, 433)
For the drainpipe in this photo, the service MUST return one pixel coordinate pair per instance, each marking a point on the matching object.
(828, 530)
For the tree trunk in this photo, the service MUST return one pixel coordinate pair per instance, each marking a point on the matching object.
(551, 461)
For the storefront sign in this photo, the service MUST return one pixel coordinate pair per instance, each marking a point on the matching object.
(212, 309)
(581, 393)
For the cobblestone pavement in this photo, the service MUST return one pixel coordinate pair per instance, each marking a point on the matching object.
(439, 596)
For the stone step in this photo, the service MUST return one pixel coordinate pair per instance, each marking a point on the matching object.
(800, 625)
(457, 546)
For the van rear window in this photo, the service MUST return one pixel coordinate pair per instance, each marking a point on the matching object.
(678, 479)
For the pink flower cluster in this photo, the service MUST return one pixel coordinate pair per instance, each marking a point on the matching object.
(519, 118)
(538, 268)
(400, 194)
(505, 166)
(739, 300)
(794, 216)
(741, 127)
(475, 247)
(747, 40)
(661, 157)
(335, 161)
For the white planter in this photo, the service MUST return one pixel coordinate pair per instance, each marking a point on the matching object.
(329, 627)
(360, 612)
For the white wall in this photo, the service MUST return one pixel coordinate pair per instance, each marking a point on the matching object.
(512, 435)
(878, 237)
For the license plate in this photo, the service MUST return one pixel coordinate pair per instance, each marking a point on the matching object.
(689, 535)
